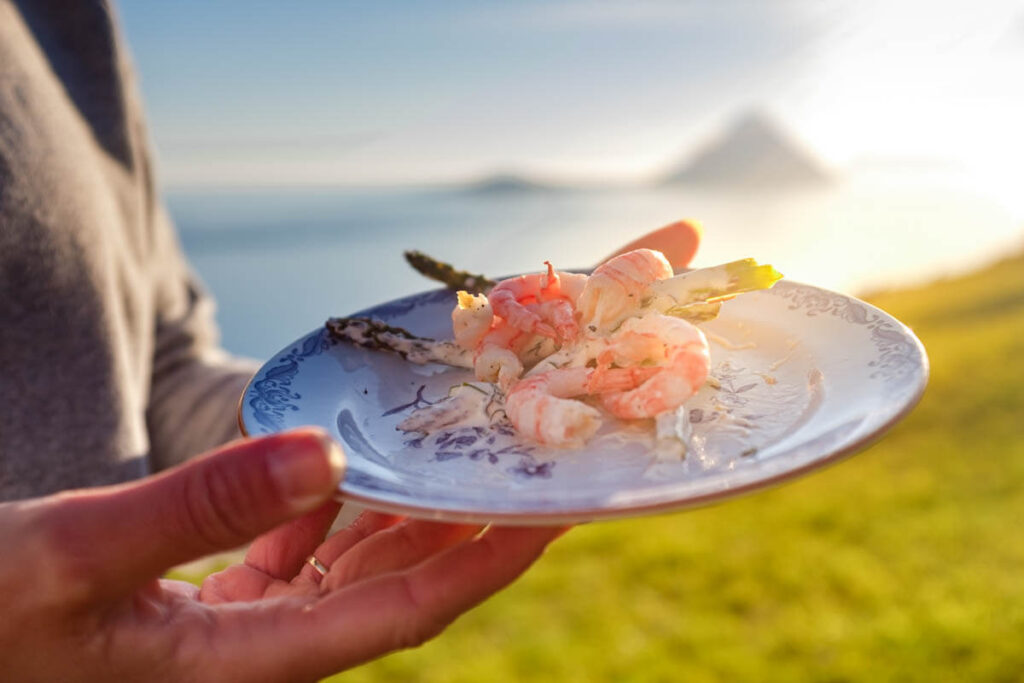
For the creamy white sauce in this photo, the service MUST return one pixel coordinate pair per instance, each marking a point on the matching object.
(792, 344)
(727, 344)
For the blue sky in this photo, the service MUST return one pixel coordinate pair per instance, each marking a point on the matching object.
(370, 93)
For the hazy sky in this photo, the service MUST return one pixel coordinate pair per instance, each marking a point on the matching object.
(362, 92)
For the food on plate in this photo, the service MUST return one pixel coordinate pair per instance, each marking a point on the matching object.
(652, 365)
(540, 303)
(634, 361)
(618, 286)
(649, 366)
(564, 349)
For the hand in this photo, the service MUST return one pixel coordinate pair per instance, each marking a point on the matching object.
(677, 241)
(82, 601)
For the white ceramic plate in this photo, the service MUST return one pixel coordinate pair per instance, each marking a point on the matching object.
(803, 377)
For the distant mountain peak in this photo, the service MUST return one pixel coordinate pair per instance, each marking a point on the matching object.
(753, 151)
(508, 183)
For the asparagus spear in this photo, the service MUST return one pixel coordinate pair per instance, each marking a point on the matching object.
(695, 296)
(376, 335)
(447, 275)
(697, 312)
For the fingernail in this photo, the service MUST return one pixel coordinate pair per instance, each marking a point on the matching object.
(307, 468)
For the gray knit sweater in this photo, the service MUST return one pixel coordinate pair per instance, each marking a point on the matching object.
(109, 365)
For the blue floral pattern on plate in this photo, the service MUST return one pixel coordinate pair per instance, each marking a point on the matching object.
(270, 395)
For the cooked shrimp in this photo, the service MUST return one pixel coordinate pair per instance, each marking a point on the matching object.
(679, 353)
(617, 287)
(472, 318)
(497, 355)
(571, 285)
(520, 323)
(511, 300)
(541, 408)
(560, 314)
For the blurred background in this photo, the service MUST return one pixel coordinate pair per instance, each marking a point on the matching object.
(302, 148)
(871, 147)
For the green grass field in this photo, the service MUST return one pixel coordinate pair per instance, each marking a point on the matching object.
(904, 563)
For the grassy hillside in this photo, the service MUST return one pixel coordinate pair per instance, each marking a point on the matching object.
(904, 563)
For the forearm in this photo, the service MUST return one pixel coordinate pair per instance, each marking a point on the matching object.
(194, 407)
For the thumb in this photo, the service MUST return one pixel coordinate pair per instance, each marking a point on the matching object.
(120, 537)
(677, 241)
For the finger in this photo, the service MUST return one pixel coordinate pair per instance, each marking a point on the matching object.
(237, 583)
(108, 541)
(333, 547)
(401, 609)
(281, 552)
(273, 558)
(677, 241)
(403, 545)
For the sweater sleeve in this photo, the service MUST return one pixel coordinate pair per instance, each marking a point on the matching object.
(110, 366)
(195, 385)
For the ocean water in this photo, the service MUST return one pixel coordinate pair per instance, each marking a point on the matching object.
(279, 262)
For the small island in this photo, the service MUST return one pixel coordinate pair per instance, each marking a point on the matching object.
(509, 184)
(753, 152)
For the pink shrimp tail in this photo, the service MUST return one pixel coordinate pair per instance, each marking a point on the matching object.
(550, 283)
(562, 311)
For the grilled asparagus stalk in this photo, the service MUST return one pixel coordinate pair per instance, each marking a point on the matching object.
(448, 275)
(379, 336)
(695, 296)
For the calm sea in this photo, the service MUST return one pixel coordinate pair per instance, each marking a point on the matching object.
(281, 261)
